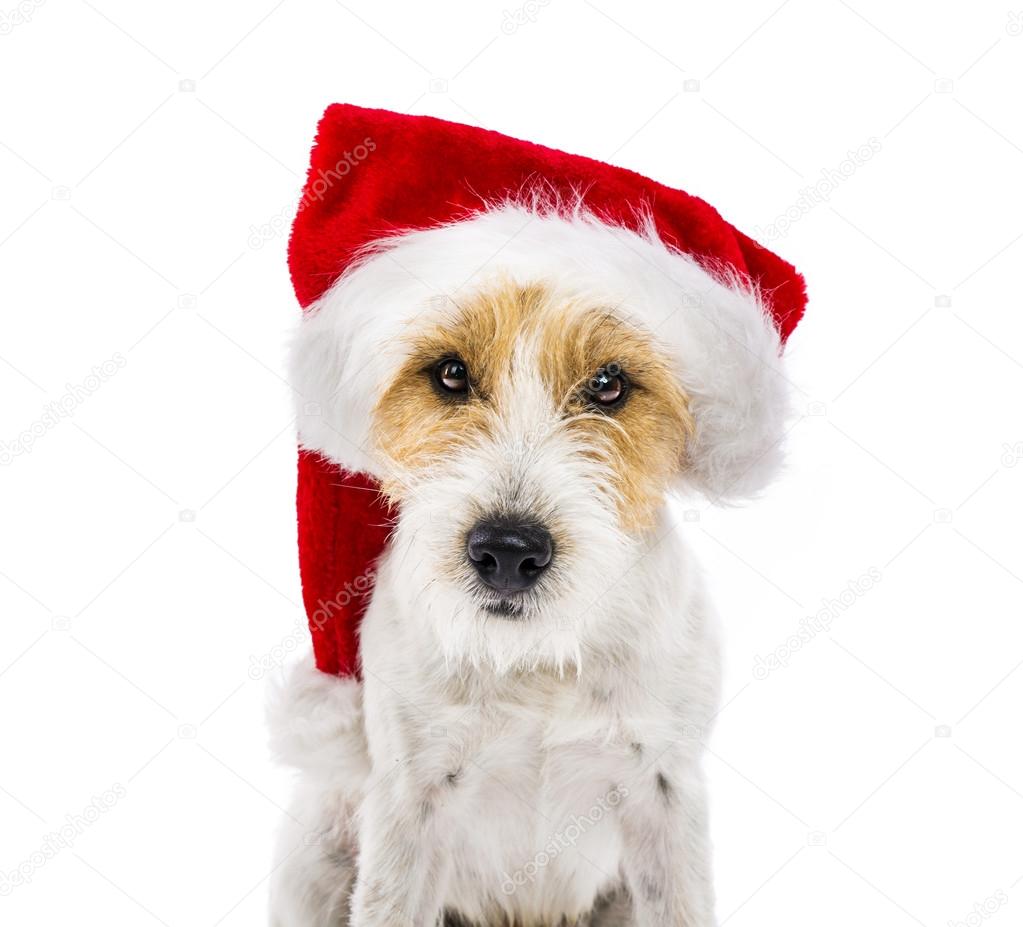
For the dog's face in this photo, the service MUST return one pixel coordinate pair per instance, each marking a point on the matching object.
(528, 441)
(528, 433)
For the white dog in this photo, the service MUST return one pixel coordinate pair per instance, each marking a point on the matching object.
(539, 660)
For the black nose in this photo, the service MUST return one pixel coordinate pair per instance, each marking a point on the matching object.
(509, 558)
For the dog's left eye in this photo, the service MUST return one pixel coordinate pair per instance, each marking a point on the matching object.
(452, 376)
(608, 386)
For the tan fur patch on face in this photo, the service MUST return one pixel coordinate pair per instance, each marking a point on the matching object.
(643, 441)
(639, 445)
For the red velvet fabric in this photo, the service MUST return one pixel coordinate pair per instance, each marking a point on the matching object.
(343, 525)
(373, 173)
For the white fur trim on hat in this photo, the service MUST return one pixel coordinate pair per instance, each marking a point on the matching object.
(315, 721)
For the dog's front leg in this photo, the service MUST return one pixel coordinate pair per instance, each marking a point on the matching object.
(666, 849)
(401, 871)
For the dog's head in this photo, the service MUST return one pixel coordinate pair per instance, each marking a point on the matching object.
(528, 387)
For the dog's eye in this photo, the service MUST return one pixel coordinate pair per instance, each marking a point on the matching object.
(452, 376)
(608, 386)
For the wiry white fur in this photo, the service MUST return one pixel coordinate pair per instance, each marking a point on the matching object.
(505, 762)
(715, 327)
(476, 741)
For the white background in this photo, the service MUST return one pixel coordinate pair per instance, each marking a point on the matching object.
(150, 160)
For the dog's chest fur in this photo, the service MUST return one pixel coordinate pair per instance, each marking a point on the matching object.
(535, 821)
(530, 776)
(521, 775)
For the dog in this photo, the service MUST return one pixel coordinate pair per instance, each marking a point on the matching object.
(540, 664)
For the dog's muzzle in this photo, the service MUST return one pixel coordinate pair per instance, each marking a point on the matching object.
(509, 558)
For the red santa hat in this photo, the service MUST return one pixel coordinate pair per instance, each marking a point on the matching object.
(380, 176)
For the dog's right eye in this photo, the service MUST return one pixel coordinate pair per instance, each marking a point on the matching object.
(452, 376)
(608, 386)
